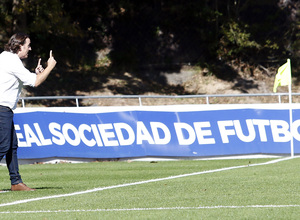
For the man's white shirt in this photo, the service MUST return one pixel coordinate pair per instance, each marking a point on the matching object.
(13, 75)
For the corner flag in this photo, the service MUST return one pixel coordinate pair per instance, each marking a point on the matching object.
(283, 76)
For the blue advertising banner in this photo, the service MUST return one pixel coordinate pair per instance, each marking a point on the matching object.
(141, 133)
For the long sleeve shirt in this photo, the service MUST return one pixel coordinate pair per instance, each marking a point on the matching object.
(13, 76)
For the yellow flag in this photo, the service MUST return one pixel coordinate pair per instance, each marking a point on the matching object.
(283, 76)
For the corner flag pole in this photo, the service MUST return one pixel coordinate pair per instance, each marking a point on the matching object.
(291, 117)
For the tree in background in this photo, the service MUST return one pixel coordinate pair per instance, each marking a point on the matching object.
(48, 25)
(157, 32)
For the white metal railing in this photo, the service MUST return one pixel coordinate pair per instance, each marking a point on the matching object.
(140, 97)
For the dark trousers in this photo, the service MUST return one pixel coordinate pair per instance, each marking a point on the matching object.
(9, 144)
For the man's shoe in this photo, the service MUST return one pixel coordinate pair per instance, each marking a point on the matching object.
(21, 187)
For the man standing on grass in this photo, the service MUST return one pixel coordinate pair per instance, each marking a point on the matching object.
(13, 76)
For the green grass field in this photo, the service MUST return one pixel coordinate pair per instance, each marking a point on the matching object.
(143, 190)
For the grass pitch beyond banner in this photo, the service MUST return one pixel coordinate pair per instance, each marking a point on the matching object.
(198, 189)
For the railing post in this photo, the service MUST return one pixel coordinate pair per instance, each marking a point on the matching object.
(279, 99)
(77, 103)
(140, 101)
(207, 100)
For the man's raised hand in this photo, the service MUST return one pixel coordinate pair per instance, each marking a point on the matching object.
(51, 61)
(39, 68)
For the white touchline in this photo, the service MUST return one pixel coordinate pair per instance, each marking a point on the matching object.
(150, 209)
(142, 182)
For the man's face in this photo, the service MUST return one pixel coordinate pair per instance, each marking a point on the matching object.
(23, 53)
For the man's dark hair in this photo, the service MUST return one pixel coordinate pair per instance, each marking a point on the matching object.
(15, 42)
